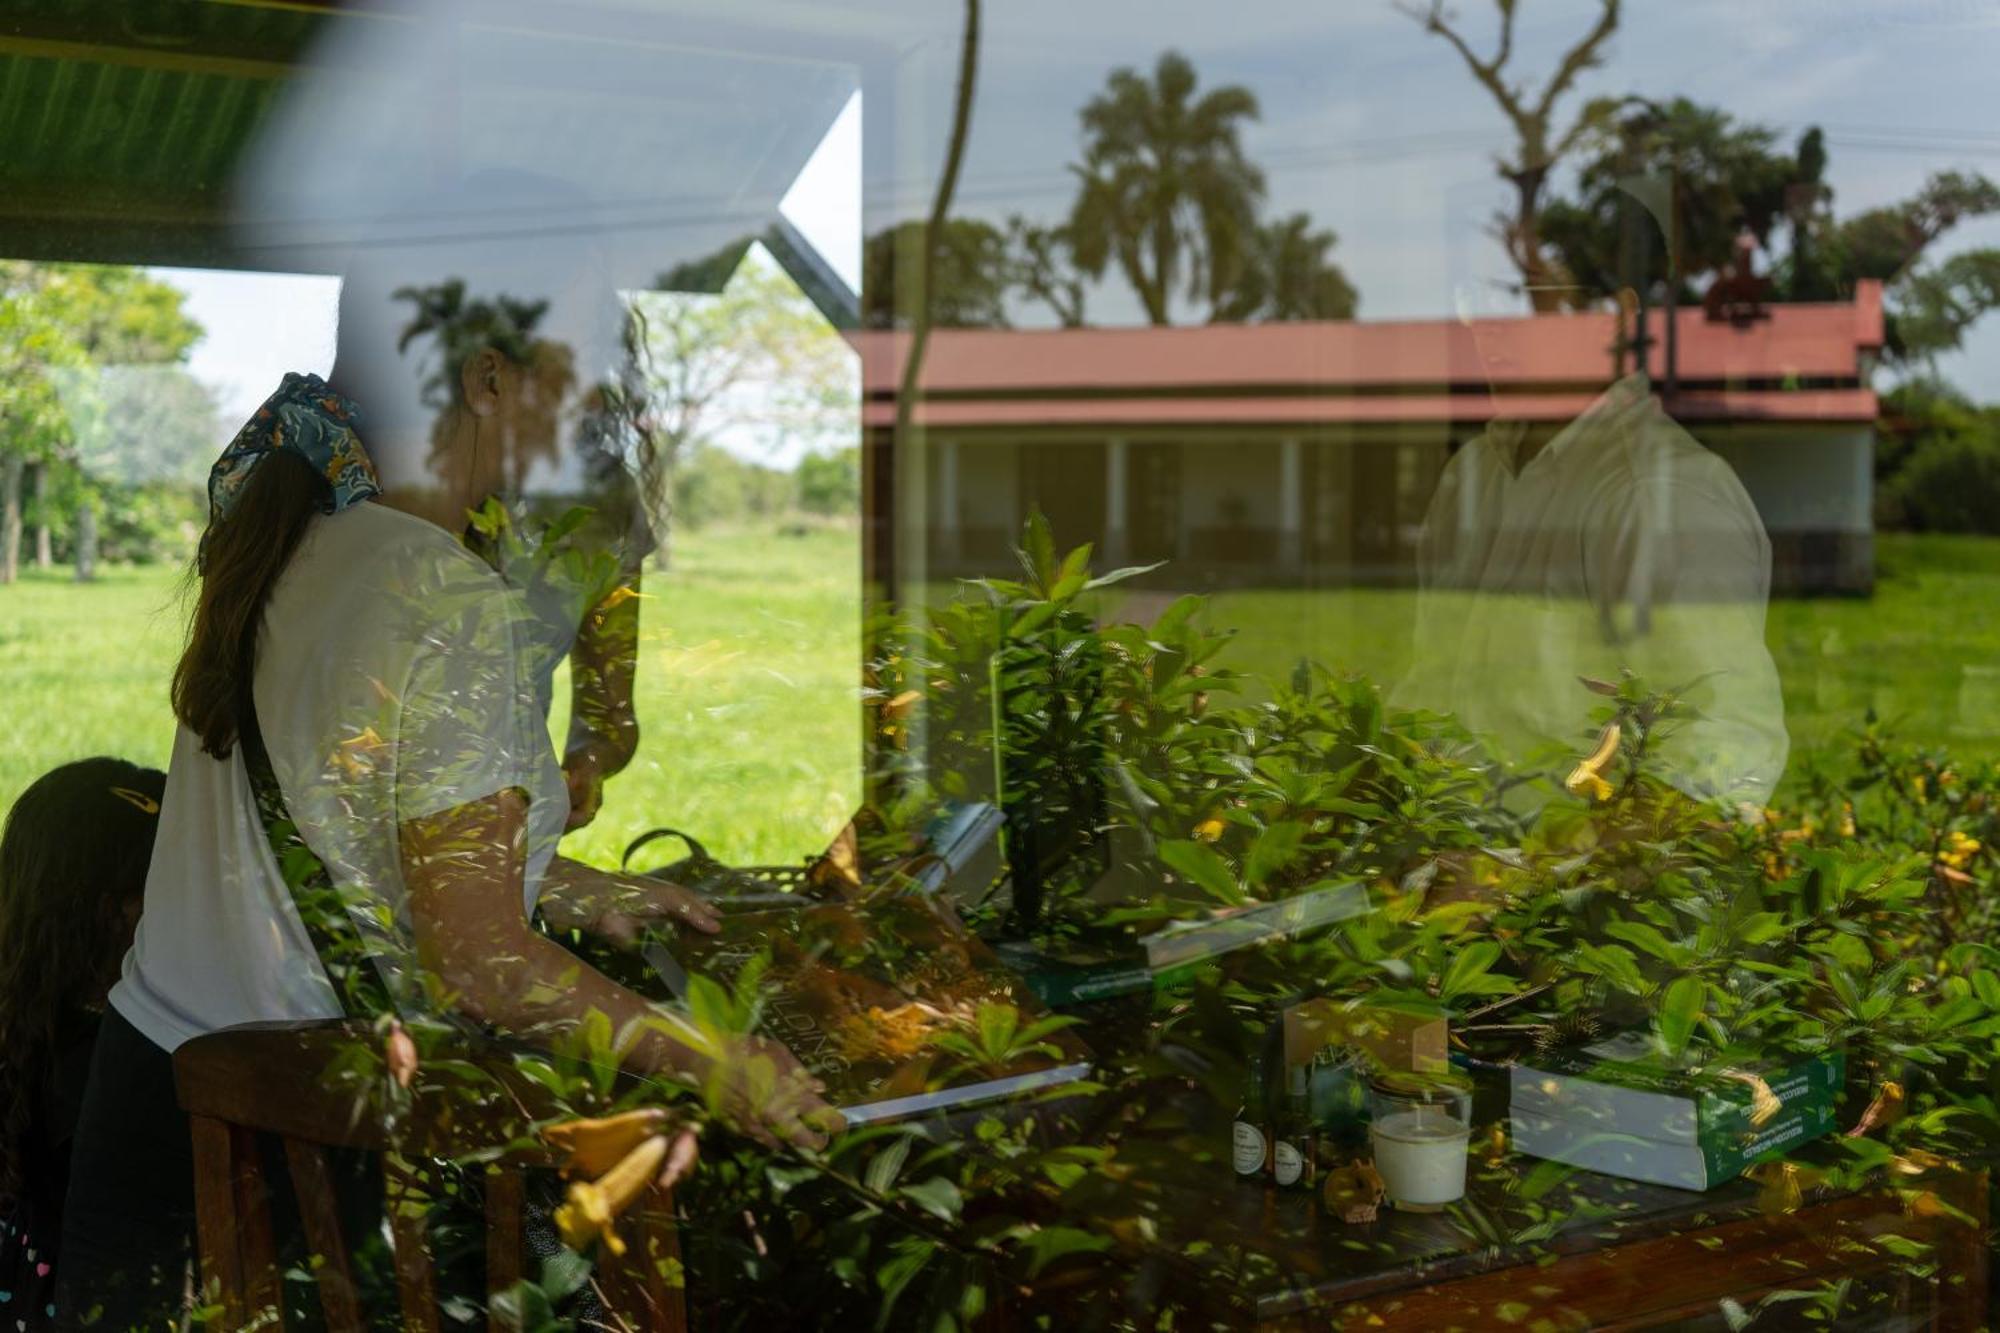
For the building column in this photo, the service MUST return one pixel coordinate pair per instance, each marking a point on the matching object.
(1291, 505)
(1116, 543)
(946, 534)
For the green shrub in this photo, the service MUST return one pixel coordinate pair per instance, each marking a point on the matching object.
(1949, 485)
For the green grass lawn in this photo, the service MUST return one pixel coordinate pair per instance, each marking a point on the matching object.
(747, 694)
(1923, 652)
(748, 670)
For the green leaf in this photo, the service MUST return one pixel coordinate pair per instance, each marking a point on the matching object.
(1202, 865)
(1680, 1009)
(1048, 1244)
(1120, 575)
(1468, 973)
(1038, 552)
(1987, 986)
(997, 1026)
(888, 1163)
(912, 1253)
(1760, 928)
(1274, 849)
(936, 1196)
(1613, 962)
(1649, 939)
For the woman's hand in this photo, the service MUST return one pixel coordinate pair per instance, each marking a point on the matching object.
(760, 1089)
(619, 908)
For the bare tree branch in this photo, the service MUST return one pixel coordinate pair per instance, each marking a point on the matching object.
(1582, 56)
(1434, 20)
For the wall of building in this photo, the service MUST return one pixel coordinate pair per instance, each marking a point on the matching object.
(1814, 487)
(1346, 506)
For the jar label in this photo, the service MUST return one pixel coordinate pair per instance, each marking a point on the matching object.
(1287, 1163)
(1248, 1149)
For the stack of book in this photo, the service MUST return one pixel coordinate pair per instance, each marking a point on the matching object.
(1616, 1108)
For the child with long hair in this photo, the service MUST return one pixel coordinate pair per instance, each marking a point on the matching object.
(72, 876)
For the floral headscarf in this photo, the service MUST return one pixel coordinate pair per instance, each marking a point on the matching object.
(312, 421)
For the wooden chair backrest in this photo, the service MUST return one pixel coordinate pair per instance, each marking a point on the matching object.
(272, 1079)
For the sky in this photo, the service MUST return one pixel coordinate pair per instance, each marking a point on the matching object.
(1367, 124)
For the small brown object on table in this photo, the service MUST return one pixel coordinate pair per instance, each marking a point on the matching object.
(272, 1079)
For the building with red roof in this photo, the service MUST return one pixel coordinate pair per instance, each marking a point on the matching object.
(1307, 452)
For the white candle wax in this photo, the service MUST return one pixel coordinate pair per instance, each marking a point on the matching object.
(1420, 1153)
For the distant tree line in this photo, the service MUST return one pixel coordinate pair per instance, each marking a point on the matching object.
(1699, 175)
(105, 436)
(715, 486)
(1168, 203)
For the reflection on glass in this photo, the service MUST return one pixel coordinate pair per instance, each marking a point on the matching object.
(1524, 758)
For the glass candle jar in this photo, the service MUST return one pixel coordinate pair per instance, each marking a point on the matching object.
(1420, 1126)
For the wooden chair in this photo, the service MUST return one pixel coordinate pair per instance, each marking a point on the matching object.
(272, 1079)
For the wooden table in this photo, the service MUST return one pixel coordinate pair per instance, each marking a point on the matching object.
(1627, 1256)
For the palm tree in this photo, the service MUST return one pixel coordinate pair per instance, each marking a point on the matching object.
(1288, 274)
(1167, 193)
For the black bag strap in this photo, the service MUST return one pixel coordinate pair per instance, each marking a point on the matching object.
(350, 962)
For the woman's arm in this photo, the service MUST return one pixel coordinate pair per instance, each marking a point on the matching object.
(463, 869)
(604, 726)
(617, 907)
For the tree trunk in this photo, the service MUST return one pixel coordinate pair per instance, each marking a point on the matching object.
(10, 517)
(45, 556)
(86, 540)
(1526, 236)
(660, 502)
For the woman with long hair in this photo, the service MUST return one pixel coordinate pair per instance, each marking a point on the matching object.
(353, 671)
(72, 873)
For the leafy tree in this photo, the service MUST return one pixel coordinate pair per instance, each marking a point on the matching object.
(1930, 308)
(755, 358)
(122, 315)
(75, 317)
(34, 426)
(1539, 144)
(1722, 175)
(1289, 274)
(1935, 306)
(830, 483)
(1887, 243)
(712, 485)
(1045, 268)
(970, 283)
(1168, 194)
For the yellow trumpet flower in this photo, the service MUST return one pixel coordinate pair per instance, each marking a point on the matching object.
(1587, 778)
(1885, 1110)
(592, 1206)
(595, 1146)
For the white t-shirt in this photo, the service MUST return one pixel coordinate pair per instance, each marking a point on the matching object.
(1623, 544)
(389, 686)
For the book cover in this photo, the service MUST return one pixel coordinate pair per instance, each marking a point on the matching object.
(1699, 1165)
(860, 992)
(1621, 1084)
